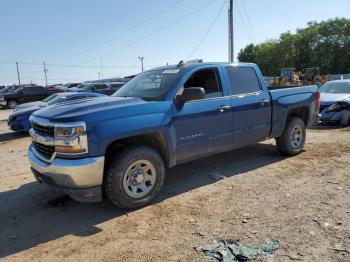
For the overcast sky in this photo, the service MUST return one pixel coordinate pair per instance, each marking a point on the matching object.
(79, 32)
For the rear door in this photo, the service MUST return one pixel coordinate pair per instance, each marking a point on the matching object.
(26, 95)
(38, 93)
(251, 106)
(203, 126)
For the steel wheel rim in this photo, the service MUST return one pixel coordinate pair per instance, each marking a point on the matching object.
(296, 137)
(12, 105)
(139, 178)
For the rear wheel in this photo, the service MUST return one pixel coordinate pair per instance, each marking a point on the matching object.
(12, 104)
(292, 140)
(134, 177)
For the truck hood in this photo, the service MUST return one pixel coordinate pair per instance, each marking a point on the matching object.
(100, 108)
(7, 93)
(25, 111)
(27, 105)
(329, 98)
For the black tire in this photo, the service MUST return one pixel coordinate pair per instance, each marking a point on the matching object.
(285, 144)
(12, 104)
(117, 166)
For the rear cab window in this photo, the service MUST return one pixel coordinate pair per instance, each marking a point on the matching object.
(242, 80)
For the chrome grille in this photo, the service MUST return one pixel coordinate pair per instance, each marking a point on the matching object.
(44, 150)
(42, 129)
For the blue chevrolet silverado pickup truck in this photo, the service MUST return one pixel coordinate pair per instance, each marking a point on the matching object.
(119, 148)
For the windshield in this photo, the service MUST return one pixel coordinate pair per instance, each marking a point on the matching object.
(336, 88)
(50, 98)
(83, 86)
(57, 99)
(151, 85)
(9, 89)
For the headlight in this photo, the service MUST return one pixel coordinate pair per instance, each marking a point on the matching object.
(69, 131)
(71, 138)
(337, 107)
(17, 118)
(17, 108)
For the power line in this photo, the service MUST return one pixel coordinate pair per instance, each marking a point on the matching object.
(43, 79)
(164, 27)
(63, 65)
(252, 38)
(208, 31)
(133, 27)
(248, 20)
(244, 24)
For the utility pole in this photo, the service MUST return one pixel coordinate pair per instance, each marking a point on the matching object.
(99, 75)
(101, 68)
(230, 33)
(45, 71)
(141, 60)
(19, 79)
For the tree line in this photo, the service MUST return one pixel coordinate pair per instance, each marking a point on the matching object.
(323, 44)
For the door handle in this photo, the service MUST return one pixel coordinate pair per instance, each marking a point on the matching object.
(264, 101)
(224, 108)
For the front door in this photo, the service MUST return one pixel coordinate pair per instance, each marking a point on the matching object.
(203, 126)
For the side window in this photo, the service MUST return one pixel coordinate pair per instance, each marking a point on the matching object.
(37, 90)
(100, 87)
(27, 91)
(243, 80)
(208, 79)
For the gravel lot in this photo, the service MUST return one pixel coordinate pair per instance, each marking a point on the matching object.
(301, 201)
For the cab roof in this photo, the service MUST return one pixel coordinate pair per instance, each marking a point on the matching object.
(190, 64)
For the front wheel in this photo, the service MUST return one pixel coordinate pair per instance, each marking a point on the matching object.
(134, 177)
(292, 140)
(12, 104)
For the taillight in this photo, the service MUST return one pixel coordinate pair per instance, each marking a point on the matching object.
(318, 100)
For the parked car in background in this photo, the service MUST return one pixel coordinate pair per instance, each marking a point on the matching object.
(103, 88)
(2, 87)
(19, 95)
(19, 119)
(8, 89)
(68, 86)
(335, 102)
(123, 145)
(52, 89)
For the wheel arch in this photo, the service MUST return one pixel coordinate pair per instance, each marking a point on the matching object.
(301, 112)
(8, 100)
(156, 141)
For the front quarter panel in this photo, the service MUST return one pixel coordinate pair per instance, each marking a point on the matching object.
(155, 117)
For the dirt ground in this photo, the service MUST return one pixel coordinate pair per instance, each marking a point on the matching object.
(301, 201)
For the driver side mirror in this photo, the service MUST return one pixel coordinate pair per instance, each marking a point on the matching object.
(190, 94)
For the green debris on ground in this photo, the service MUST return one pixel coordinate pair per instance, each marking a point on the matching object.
(230, 251)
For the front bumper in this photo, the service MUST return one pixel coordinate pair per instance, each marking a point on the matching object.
(18, 126)
(3, 103)
(79, 178)
(339, 117)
